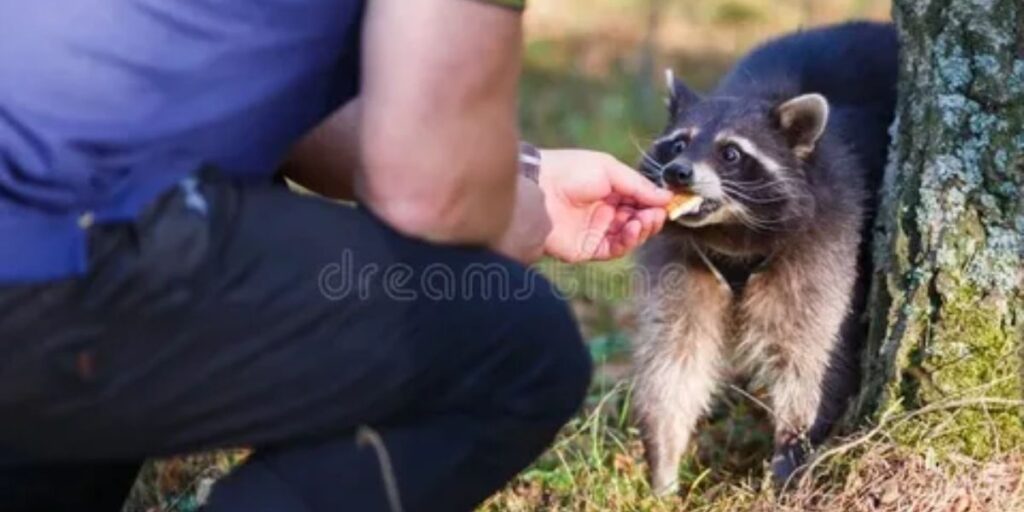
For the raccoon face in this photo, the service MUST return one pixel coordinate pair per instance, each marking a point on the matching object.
(744, 157)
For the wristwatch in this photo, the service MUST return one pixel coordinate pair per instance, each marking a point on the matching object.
(529, 161)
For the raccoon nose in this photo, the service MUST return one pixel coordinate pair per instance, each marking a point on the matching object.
(679, 173)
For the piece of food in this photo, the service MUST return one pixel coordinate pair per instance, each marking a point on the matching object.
(682, 204)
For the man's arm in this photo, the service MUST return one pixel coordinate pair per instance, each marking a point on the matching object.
(438, 118)
(327, 158)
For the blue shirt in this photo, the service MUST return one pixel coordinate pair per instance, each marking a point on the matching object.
(105, 104)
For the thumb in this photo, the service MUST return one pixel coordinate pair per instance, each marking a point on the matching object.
(629, 183)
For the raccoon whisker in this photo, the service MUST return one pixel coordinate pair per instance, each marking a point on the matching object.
(754, 222)
(644, 154)
(795, 194)
(649, 173)
(786, 217)
(773, 183)
(735, 192)
(741, 193)
(748, 190)
(650, 168)
(650, 163)
(649, 160)
(777, 224)
(757, 186)
(738, 185)
(757, 225)
(652, 175)
(743, 186)
(743, 182)
(754, 227)
(748, 220)
(751, 200)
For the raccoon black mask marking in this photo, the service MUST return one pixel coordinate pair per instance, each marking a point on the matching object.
(786, 153)
(744, 156)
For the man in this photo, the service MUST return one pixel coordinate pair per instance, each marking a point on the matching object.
(160, 296)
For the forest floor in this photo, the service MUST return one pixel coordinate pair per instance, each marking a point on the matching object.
(589, 83)
(899, 462)
(597, 465)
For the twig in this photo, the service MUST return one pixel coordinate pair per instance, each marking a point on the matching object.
(760, 403)
(368, 436)
(899, 419)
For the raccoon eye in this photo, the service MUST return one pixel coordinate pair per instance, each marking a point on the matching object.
(679, 146)
(731, 154)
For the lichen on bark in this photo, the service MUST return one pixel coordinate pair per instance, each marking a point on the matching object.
(947, 304)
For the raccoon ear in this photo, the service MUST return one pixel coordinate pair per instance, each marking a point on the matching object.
(803, 120)
(679, 95)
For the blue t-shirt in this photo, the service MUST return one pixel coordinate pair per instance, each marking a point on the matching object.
(105, 104)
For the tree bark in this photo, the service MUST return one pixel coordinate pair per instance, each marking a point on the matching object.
(947, 304)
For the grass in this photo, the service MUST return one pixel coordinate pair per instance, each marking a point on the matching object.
(589, 82)
(597, 465)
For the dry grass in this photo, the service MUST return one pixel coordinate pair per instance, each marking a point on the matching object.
(888, 477)
(598, 466)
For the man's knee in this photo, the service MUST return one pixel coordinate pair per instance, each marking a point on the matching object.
(552, 338)
(511, 331)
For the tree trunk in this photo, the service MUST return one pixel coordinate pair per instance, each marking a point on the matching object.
(649, 81)
(947, 305)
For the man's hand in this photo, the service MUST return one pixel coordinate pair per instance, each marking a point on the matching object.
(600, 209)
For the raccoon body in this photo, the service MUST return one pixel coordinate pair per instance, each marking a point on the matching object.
(766, 278)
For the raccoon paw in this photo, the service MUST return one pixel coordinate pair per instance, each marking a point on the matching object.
(787, 462)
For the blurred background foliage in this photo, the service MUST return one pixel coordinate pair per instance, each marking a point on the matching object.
(593, 68)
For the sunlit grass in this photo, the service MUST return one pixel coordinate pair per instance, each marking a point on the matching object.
(597, 465)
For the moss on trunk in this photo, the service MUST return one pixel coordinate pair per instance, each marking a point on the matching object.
(947, 305)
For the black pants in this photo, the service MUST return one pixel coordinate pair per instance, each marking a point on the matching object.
(250, 316)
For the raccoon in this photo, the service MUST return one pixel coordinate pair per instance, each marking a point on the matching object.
(786, 155)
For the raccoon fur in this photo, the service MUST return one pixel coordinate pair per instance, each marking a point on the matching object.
(767, 278)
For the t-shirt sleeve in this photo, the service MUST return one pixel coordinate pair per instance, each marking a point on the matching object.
(518, 5)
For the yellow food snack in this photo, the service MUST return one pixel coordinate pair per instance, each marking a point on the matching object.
(682, 204)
